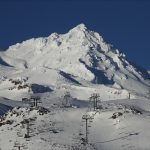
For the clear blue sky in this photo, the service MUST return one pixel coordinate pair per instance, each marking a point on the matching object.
(123, 23)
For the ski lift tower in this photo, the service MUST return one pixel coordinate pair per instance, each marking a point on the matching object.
(87, 119)
(66, 100)
(18, 145)
(94, 100)
(35, 100)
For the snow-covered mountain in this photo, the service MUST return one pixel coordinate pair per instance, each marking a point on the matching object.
(80, 63)
(80, 58)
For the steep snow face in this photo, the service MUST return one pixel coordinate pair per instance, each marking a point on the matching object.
(81, 54)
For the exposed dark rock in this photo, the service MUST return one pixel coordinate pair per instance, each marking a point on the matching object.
(116, 115)
(36, 88)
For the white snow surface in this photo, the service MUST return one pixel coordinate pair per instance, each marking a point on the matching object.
(82, 63)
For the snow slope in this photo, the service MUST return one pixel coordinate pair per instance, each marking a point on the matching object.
(64, 128)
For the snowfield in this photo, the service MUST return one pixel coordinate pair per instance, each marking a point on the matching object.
(64, 128)
(80, 63)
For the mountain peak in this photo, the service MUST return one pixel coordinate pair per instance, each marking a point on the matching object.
(81, 27)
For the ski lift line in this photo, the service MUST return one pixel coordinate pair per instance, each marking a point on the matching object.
(88, 119)
(123, 137)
